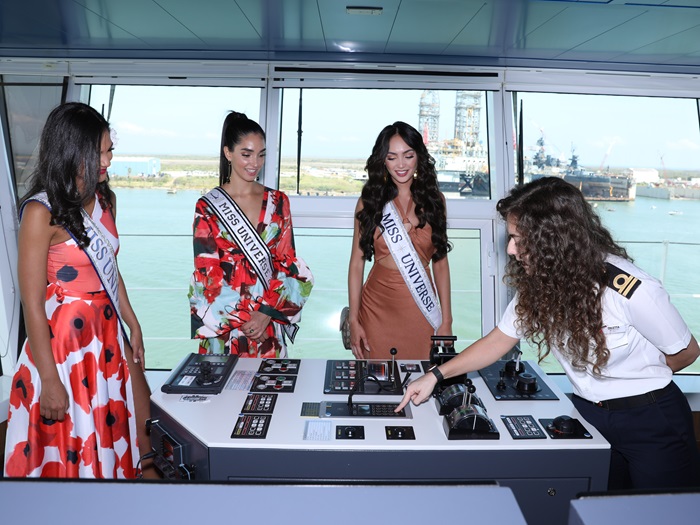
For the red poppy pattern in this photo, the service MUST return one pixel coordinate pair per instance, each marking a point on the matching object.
(97, 437)
(225, 289)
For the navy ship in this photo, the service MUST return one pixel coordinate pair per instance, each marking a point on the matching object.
(600, 186)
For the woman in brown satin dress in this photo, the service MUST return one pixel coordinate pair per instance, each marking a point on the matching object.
(383, 312)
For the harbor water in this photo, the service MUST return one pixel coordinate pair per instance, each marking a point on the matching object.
(156, 263)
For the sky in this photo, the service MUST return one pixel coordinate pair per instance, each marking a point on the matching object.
(616, 131)
(632, 132)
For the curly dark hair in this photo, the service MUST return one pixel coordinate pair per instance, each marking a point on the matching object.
(561, 287)
(380, 189)
(236, 126)
(70, 146)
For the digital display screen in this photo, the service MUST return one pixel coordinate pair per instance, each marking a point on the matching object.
(363, 410)
(379, 370)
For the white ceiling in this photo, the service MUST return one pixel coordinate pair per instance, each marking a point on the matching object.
(661, 36)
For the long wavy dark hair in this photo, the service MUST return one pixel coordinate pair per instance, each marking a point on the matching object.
(560, 292)
(236, 126)
(70, 146)
(380, 189)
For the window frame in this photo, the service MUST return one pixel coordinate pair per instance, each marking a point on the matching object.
(338, 211)
(8, 272)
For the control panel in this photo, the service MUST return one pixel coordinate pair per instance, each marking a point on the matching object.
(321, 405)
(523, 427)
(364, 409)
(516, 380)
(350, 432)
(565, 427)
(464, 414)
(354, 376)
(171, 454)
(311, 420)
(200, 374)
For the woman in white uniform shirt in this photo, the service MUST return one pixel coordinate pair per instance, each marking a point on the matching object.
(610, 325)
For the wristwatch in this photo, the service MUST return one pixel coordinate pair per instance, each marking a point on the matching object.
(436, 372)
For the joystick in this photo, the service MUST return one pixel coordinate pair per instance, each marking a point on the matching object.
(526, 383)
(564, 425)
(205, 376)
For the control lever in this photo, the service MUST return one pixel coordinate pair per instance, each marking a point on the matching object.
(357, 384)
(470, 389)
(440, 353)
(391, 372)
(501, 385)
(517, 362)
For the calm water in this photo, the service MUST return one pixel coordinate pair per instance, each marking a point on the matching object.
(156, 263)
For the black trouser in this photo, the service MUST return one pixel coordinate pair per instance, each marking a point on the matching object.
(652, 446)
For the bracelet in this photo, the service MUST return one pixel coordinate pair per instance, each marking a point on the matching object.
(436, 372)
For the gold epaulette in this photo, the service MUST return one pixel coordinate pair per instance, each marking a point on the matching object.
(622, 282)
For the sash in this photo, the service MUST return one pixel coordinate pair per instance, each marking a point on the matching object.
(100, 252)
(249, 241)
(410, 265)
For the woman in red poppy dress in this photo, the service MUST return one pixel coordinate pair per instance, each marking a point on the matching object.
(232, 310)
(72, 404)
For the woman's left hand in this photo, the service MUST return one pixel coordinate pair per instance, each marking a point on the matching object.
(136, 342)
(445, 329)
(256, 328)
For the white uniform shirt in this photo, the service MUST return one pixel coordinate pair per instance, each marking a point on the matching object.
(640, 325)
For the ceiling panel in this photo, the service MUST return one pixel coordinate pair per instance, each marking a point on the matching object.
(432, 27)
(357, 33)
(218, 23)
(674, 47)
(294, 28)
(255, 11)
(46, 24)
(632, 37)
(549, 30)
(485, 33)
(666, 3)
(145, 20)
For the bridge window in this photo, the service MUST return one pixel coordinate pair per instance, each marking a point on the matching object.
(635, 159)
(166, 154)
(327, 136)
(27, 101)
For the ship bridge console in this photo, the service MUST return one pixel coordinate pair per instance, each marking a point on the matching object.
(286, 420)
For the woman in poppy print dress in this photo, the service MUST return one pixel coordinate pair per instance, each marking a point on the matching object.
(79, 397)
(236, 307)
